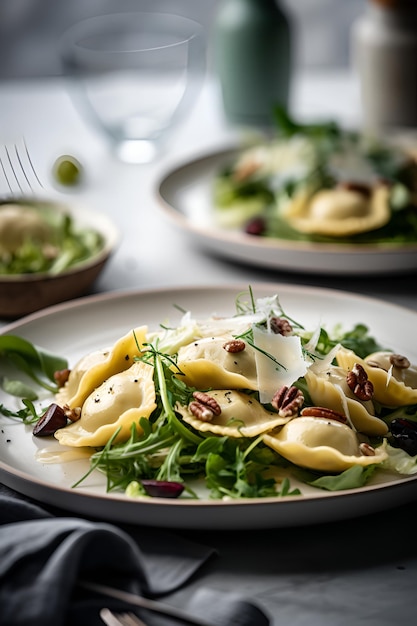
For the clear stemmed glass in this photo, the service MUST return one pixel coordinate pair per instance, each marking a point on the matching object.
(135, 76)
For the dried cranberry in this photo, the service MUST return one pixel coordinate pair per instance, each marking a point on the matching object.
(162, 488)
(354, 185)
(255, 226)
(404, 435)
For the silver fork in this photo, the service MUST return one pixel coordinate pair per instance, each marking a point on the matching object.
(145, 603)
(120, 619)
(17, 170)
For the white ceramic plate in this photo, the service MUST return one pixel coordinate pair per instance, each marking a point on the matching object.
(75, 328)
(185, 196)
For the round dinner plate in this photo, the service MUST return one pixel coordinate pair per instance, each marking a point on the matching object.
(78, 327)
(185, 195)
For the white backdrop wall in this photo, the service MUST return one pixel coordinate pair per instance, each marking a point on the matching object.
(29, 29)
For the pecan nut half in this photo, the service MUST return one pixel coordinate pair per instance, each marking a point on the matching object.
(61, 377)
(73, 414)
(357, 381)
(281, 326)
(201, 411)
(287, 401)
(400, 361)
(204, 407)
(234, 345)
(366, 449)
(207, 400)
(323, 412)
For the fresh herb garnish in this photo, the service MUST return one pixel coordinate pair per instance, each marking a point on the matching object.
(28, 415)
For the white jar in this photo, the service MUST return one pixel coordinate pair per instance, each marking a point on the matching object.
(384, 46)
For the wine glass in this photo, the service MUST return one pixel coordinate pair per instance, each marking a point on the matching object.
(135, 76)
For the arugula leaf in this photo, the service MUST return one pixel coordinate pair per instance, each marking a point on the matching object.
(358, 339)
(18, 388)
(286, 489)
(36, 362)
(231, 470)
(352, 478)
(28, 415)
(287, 126)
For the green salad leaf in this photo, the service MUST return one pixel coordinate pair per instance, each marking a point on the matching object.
(352, 478)
(37, 363)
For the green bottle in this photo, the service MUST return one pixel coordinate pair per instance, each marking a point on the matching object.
(252, 59)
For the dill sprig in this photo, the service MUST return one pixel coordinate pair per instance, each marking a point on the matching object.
(161, 447)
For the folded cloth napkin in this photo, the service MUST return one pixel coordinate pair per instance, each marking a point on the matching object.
(43, 558)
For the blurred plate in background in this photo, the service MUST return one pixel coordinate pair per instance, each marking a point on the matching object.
(185, 195)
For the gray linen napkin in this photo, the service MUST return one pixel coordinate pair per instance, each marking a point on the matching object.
(42, 556)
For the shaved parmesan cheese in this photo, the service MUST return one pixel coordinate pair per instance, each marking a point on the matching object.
(279, 362)
(322, 364)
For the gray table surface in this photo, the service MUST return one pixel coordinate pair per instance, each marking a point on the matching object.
(360, 571)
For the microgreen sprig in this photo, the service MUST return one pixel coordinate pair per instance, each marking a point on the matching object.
(28, 415)
(167, 390)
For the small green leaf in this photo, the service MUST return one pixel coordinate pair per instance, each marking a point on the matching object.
(135, 490)
(18, 388)
(286, 489)
(32, 360)
(352, 478)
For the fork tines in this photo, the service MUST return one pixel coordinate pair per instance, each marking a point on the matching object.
(17, 170)
(120, 619)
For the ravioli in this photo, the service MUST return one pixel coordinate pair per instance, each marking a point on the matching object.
(321, 444)
(241, 415)
(205, 364)
(91, 360)
(339, 212)
(118, 402)
(405, 373)
(97, 366)
(331, 390)
(388, 391)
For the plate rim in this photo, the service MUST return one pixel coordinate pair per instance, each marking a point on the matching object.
(237, 285)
